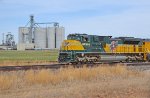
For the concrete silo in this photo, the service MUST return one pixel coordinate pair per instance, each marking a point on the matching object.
(51, 37)
(60, 36)
(40, 38)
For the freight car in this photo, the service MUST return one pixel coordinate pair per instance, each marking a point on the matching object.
(83, 48)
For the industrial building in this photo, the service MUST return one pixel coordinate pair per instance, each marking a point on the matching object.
(37, 37)
(8, 42)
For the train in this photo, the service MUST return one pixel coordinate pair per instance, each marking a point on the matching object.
(84, 48)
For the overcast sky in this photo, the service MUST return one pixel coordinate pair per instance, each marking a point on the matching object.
(100, 17)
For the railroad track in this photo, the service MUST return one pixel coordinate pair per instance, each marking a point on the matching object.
(30, 67)
(137, 63)
(57, 66)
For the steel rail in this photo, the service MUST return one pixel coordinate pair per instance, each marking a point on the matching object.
(57, 66)
(30, 67)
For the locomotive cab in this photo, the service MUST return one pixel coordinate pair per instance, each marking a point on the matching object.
(80, 47)
(90, 43)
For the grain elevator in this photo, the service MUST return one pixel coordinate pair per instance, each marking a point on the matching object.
(36, 36)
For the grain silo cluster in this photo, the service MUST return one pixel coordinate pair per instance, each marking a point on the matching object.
(34, 37)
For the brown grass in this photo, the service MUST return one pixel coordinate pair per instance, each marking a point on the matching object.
(22, 63)
(44, 77)
(108, 78)
(6, 82)
(48, 77)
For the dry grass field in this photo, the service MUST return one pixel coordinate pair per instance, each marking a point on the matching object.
(98, 82)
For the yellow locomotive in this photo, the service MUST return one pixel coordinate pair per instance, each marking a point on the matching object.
(83, 48)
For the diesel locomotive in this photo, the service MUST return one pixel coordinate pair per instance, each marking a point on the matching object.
(84, 48)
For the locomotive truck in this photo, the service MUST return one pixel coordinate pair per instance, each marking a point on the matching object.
(84, 48)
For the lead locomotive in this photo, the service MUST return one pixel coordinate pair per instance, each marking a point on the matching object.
(83, 48)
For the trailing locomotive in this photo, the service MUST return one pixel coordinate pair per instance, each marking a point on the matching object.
(83, 48)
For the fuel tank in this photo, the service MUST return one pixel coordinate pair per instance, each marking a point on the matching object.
(113, 58)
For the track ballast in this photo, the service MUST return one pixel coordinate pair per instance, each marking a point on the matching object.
(57, 66)
(29, 67)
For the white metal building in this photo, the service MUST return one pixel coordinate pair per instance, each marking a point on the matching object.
(23, 34)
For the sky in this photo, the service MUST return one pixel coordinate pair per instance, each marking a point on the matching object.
(98, 17)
